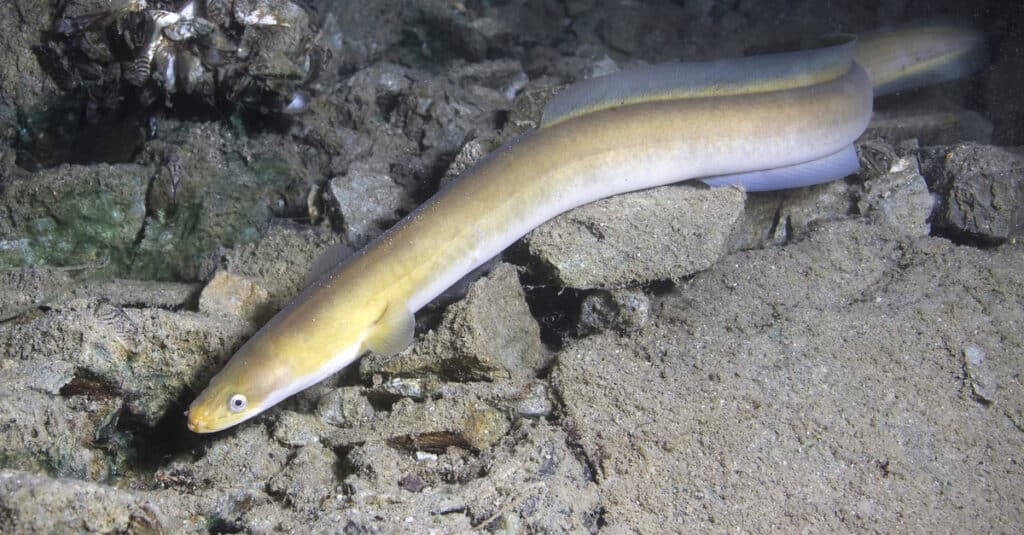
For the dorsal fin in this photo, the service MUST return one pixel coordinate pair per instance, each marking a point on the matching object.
(327, 260)
(669, 81)
(393, 331)
(920, 55)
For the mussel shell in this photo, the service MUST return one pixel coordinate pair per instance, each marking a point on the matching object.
(134, 30)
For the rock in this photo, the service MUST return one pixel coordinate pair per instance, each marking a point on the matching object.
(368, 201)
(212, 190)
(899, 198)
(498, 80)
(370, 95)
(618, 28)
(148, 357)
(136, 293)
(281, 260)
(24, 88)
(450, 33)
(73, 216)
(308, 478)
(534, 481)
(488, 335)
(577, 7)
(528, 108)
(157, 220)
(28, 288)
(656, 234)
(24, 289)
(438, 425)
(48, 434)
(778, 217)
(297, 429)
(353, 33)
(440, 114)
(234, 295)
(982, 192)
(538, 485)
(244, 460)
(31, 503)
(788, 364)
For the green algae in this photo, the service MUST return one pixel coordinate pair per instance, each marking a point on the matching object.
(73, 216)
(199, 190)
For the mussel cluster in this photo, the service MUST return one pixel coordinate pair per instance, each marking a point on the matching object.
(252, 53)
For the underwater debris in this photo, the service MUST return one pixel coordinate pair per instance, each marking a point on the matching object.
(255, 54)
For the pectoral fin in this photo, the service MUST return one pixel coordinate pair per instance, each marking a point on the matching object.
(393, 331)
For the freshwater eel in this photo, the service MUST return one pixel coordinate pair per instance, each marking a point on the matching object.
(764, 122)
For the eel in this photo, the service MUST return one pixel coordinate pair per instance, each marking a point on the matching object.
(762, 122)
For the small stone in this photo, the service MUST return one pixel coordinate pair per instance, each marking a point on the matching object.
(235, 295)
(983, 382)
(623, 310)
(536, 404)
(483, 426)
(345, 407)
(412, 483)
(468, 155)
(425, 456)
(412, 388)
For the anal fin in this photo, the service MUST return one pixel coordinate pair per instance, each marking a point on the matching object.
(827, 169)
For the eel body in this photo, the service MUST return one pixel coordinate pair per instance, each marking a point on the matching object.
(764, 122)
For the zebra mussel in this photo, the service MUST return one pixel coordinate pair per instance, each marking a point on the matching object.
(252, 53)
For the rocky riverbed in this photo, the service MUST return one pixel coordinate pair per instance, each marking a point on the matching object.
(844, 358)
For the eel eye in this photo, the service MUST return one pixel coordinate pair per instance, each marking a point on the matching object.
(237, 403)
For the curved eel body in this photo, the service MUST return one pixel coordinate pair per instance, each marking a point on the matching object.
(791, 116)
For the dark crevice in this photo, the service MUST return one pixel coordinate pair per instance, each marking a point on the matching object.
(221, 525)
(87, 383)
(557, 311)
(169, 438)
